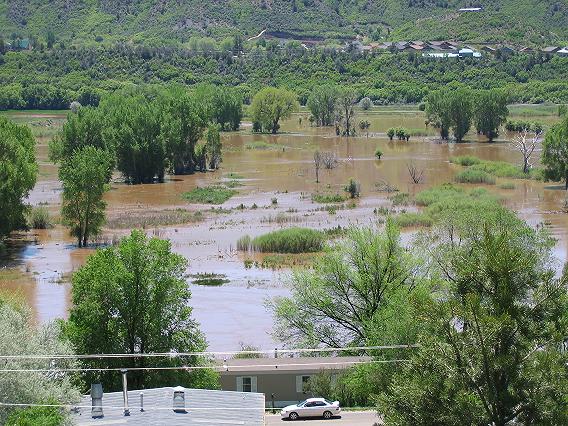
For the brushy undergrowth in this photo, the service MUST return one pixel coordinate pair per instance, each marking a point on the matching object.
(328, 198)
(400, 199)
(290, 240)
(475, 176)
(262, 145)
(39, 218)
(408, 219)
(496, 168)
(209, 279)
(209, 195)
(150, 219)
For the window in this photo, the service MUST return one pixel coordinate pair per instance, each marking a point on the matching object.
(302, 383)
(246, 384)
(319, 404)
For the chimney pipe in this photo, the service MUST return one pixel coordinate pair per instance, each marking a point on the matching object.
(141, 401)
(125, 392)
(97, 400)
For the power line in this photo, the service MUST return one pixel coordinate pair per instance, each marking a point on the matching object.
(198, 367)
(206, 353)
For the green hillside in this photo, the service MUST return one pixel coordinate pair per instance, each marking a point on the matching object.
(155, 21)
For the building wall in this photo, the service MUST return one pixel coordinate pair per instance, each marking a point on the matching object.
(285, 386)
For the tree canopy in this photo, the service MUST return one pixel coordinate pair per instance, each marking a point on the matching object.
(322, 103)
(269, 106)
(490, 112)
(18, 173)
(133, 298)
(555, 153)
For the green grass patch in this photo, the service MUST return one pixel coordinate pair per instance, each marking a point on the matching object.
(411, 219)
(209, 195)
(262, 145)
(233, 175)
(328, 198)
(475, 176)
(507, 185)
(465, 160)
(290, 240)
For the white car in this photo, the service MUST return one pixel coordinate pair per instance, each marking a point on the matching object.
(311, 407)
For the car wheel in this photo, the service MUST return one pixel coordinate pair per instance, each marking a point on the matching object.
(293, 416)
(327, 415)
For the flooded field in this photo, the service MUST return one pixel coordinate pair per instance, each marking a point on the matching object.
(275, 180)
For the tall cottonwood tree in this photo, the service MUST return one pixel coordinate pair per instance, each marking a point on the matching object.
(84, 176)
(269, 106)
(18, 173)
(133, 298)
(490, 112)
(490, 343)
(555, 153)
(322, 103)
(346, 112)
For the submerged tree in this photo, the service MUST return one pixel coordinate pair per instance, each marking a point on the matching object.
(84, 176)
(490, 112)
(555, 153)
(438, 112)
(460, 106)
(322, 103)
(526, 145)
(346, 112)
(269, 106)
(134, 299)
(18, 173)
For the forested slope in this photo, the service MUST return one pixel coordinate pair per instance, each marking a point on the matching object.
(155, 21)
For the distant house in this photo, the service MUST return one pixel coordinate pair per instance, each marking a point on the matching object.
(551, 49)
(443, 46)
(506, 49)
(285, 378)
(471, 9)
(465, 53)
(489, 49)
(563, 52)
(21, 44)
(149, 407)
(526, 50)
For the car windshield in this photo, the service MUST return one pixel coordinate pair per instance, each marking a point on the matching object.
(301, 404)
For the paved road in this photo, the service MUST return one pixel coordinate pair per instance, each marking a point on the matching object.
(354, 418)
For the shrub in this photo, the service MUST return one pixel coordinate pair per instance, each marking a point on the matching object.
(391, 132)
(378, 153)
(475, 176)
(209, 195)
(290, 240)
(521, 125)
(400, 199)
(465, 160)
(328, 198)
(366, 104)
(408, 219)
(439, 193)
(39, 218)
(353, 188)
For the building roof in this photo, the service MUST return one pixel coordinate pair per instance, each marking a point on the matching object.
(551, 49)
(290, 365)
(203, 407)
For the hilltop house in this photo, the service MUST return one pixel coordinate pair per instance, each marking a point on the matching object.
(551, 49)
(283, 381)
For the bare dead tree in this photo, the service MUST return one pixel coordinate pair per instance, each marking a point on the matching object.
(417, 175)
(527, 144)
(318, 162)
(329, 160)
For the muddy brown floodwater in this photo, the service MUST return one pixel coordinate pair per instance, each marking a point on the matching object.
(37, 265)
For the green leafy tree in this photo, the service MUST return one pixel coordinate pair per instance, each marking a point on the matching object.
(37, 416)
(133, 128)
(438, 112)
(555, 153)
(133, 298)
(350, 294)
(181, 126)
(18, 173)
(490, 112)
(84, 176)
(460, 106)
(490, 345)
(19, 337)
(269, 106)
(221, 105)
(322, 103)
